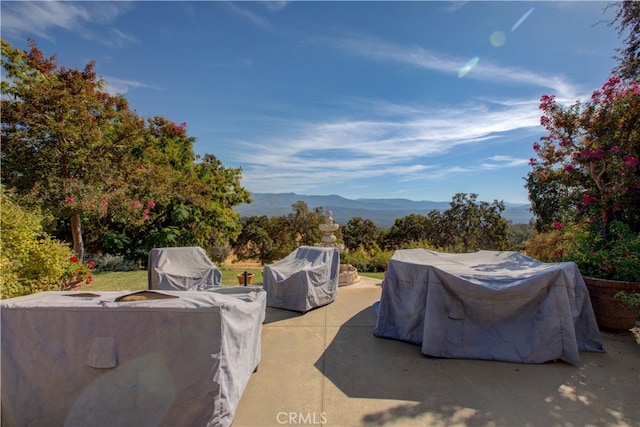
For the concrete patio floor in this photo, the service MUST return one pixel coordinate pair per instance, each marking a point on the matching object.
(325, 367)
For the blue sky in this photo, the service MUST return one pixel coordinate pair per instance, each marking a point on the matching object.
(417, 100)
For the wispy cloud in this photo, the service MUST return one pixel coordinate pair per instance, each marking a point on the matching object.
(501, 162)
(276, 5)
(115, 85)
(245, 12)
(383, 51)
(40, 18)
(452, 6)
(410, 143)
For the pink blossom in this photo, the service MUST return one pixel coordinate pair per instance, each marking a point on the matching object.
(586, 153)
(536, 146)
(558, 225)
(598, 154)
(544, 121)
(557, 254)
(104, 202)
(70, 199)
(146, 217)
(631, 162)
(151, 204)
(136, 205)
(588, 199)
(569, 167)
(592, 217)
(183, 125)
(547, 101)
(532, 162)
(141, 167)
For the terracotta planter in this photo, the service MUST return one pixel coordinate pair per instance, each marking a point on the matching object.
(611, 312)
(249, 278)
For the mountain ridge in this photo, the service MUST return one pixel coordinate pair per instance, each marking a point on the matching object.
(383, 212)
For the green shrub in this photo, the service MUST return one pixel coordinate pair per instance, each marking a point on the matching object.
(367, 262)
(550, 246)
(613, 257)
(31, 260)
(108, 262)
(218, 252)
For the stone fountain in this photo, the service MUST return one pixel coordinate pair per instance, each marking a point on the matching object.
(348, 273)
(328, 228)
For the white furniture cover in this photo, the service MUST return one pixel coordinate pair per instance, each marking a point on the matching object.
(487, 305)
(182, 269)
(84, 359)
(304, 279)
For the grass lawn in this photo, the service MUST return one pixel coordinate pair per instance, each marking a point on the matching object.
(137, 280)
(379, 276)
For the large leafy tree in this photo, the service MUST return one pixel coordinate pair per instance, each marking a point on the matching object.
(305, 224)
(360, 233)
(627, 22)
(407, 231)
(269, 239)
(84, 157)
(66, 142)
(588, 166)
(189, 201)
(254, 241)
(469, 225)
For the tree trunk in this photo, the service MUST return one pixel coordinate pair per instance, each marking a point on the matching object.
(76, 232)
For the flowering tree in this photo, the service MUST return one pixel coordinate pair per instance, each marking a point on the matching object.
(627, 22)
(82, 156)
(587, 167)
(67, 144)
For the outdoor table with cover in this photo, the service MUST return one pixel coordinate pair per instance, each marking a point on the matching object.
(487, 305)
(91, 359)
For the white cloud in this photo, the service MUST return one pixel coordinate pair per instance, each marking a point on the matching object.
(382, 51)
(114, 85)
(248, 14)
(276, 5)
(453, 6)
(40, 18)
(410, 144)
(500, 162)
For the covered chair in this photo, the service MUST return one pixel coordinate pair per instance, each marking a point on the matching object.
(305, 279)
(182, 269)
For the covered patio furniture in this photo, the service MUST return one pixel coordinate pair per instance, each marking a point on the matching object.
(487, 305)
(305, 279)
(172, 358)
(182, 269)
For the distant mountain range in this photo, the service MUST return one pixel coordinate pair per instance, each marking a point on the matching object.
(383, 212)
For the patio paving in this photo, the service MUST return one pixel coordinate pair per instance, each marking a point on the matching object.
(325, 367)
